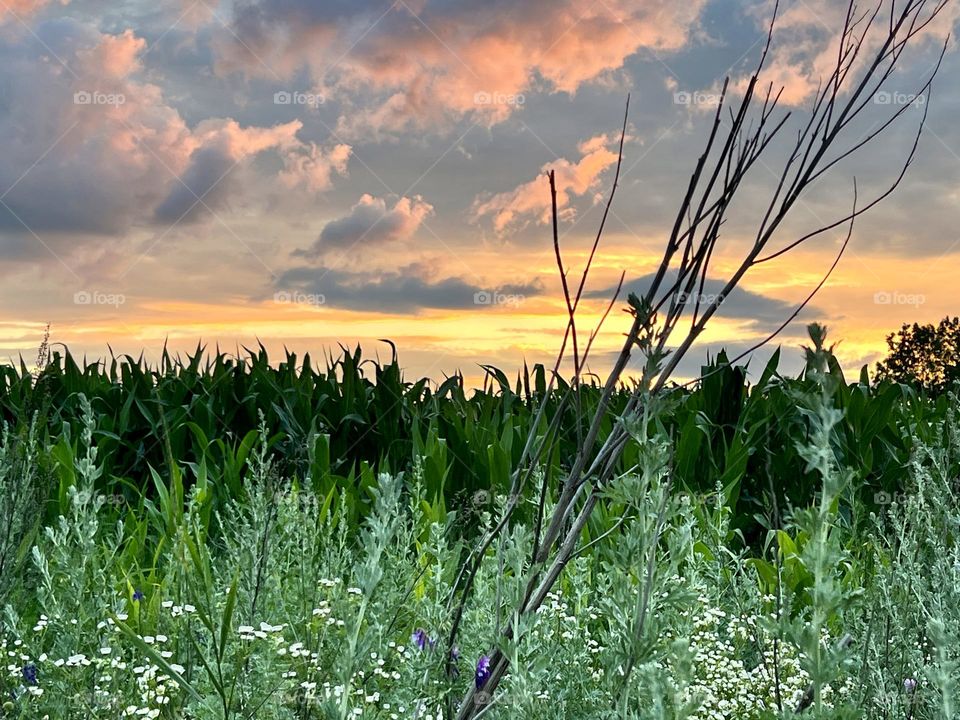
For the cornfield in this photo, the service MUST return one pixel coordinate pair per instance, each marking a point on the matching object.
(339, 425)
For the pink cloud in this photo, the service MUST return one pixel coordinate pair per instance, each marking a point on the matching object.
(513, 209)
(313, 167)
(115, 152)
(115, 57)
(22, 8)
(238, 142)
(448, 60)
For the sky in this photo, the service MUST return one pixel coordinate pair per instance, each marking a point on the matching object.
(306, 174)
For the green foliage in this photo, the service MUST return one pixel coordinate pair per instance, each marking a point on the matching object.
(234, 539)
(911, 576)
(21, 497)
(299, 608)
(336, 429)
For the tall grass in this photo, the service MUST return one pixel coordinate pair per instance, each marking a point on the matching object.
(286, 611)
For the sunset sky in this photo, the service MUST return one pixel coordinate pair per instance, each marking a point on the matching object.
(310, 173)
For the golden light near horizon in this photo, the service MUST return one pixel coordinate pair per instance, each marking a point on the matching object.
(356, 179)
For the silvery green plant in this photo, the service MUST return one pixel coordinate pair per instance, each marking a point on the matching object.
(21, 510)
(911, 624)
(329, 624)
(72, 563)
(820, 626)
(658, 541)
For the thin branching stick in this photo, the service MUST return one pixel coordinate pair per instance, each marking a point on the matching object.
(735, 144)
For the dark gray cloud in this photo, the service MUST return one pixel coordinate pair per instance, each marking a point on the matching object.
(204, 187)
(371, 222)
(251, 15)
(403, 291)
(740, 304)
(56, 173)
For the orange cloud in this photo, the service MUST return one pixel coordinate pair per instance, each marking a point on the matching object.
(22, 8)
(428, 63)
(512, 209)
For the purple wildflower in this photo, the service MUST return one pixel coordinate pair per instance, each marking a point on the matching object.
(138, 596)
(909, 685)
(30, 674)
(483, 671)
(422, 640)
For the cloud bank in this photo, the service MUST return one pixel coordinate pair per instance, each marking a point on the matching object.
(93, 147)
(428, 63)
